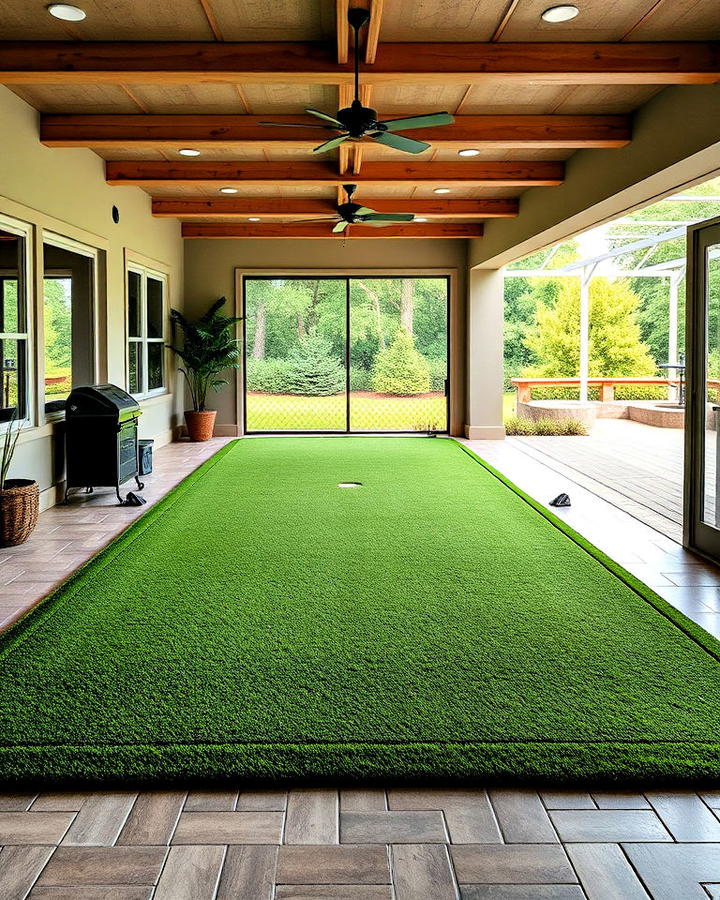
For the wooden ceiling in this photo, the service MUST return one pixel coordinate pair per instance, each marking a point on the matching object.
(138, 81)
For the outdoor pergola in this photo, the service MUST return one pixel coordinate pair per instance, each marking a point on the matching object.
(610, 265)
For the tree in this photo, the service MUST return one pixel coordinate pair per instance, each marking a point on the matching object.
(313, 371)
(615, 346)
(400, 369)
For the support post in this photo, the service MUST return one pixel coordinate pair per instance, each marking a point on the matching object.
(585, 279)
(485, 344)
(675, 279)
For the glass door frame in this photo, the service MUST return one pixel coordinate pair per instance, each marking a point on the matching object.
(242, 276)
(698, 536)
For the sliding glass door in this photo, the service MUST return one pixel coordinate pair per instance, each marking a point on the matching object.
(360, 354)
(702, 448)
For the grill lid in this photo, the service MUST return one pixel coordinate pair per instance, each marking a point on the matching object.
(102, 400)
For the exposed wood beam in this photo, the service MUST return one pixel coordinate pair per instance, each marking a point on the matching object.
(357, 159)
(469, 173)
(85, 62)
(373, 32)
(503, 23)
(290, 207)
(544, 132)
(343, 159)
(343, 30)
(323, 230)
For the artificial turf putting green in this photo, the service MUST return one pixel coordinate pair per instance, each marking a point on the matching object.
(263, 623)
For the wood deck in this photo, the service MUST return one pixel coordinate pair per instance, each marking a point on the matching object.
(638, 468)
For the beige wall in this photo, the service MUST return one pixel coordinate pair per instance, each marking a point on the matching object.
(64, 191)
(210, 273)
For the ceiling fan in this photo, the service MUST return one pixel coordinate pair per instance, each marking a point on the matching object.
(354, 214)
(357, 121)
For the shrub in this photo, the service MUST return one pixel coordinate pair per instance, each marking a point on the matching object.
(360, 379)
(400, 369)
(641, 392)
(267, 376)
(438, 374)
(515, 426)
(313, 371)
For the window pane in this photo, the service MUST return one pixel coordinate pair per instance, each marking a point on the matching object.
(9, 305)
(13, 383)
(58, 341)
(12, 283)
(155, 365)
(134, 294)
(154, 308)
(134, 367)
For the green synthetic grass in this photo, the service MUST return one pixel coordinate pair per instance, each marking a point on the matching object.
(368, 412)
(263, 624)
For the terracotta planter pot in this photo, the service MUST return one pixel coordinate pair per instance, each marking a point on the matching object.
(19, 510)
(200, 425)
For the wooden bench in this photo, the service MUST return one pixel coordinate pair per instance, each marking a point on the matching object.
(607, 386)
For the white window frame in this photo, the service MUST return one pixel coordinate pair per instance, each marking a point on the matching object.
(26, 307)
(142, 339)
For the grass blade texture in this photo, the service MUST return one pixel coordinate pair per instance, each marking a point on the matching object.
(264, 624)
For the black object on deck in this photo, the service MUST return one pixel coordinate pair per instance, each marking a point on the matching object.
(101, 440)
(560, 501)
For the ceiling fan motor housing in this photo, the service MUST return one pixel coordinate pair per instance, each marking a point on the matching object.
(349, 210)
(358, 119)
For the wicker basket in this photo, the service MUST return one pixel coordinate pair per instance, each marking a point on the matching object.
(19, 510)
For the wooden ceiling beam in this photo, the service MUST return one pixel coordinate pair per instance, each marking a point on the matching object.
(177, 62)
(151, 131)
(324, 230)
(343, 30)
(467, 173)
(373, 32)
(290, 207)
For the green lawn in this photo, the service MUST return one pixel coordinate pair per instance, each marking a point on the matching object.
(263, 624)
(368, 412)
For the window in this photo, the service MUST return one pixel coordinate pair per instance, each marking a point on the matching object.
(146, 332)
(68, 317)
(14, 347)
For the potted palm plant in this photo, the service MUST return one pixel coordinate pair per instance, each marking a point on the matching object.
(19, 497)
(208, 348)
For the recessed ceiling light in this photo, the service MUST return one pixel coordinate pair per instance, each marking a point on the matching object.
(441, 191)
(562, 13)
(228, 190)
(253, 218)
(188, 151)
(66, 12)
(420, 220)
(468, 152)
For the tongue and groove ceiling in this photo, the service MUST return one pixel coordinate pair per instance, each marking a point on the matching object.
(137, 81)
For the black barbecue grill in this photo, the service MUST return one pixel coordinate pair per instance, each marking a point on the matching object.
(101, 441)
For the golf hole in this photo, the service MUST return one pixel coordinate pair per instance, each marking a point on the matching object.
(350, 484)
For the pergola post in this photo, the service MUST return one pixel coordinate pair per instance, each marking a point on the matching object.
(585, 279)
(675, 279)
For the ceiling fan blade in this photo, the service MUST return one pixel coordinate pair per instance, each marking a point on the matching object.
(397, 142)
(341, 226)
(388, 217)
(364, 211)
(376, 224)
(321, 115)
(331, 144)
(298, 125)
(427, 121)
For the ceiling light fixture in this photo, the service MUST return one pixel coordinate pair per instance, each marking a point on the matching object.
(468, 152)
(188, 151)
(562, 13)
(420, 220)
(441, 190)
(228, 190)
(253, 218)
(66, 12)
